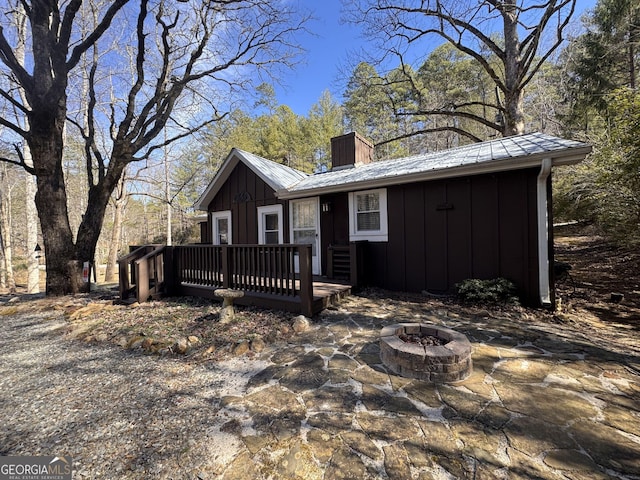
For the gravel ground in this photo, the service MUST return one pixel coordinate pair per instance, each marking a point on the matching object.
(149, 415)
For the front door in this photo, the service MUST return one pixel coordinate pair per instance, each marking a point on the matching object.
(305, 228)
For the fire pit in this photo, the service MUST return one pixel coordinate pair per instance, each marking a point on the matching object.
(426, 352)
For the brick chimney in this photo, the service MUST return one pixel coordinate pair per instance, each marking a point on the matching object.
(350, 150)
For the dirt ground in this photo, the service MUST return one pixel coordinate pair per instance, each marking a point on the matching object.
(599, 271)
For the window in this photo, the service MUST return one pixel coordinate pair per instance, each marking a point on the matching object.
(368, 215)
(270, 224)
(221, 227)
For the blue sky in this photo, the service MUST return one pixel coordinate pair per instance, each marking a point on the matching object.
(327, 51)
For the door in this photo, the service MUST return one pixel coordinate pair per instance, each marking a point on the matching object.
(305, 228)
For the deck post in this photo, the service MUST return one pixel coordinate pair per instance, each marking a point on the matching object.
(226, 266)
(168, 273)
(306, 280)
(142, 280)
(123, 277)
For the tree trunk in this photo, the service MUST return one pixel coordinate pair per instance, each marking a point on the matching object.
(116, 232)
(114, 247)
(33, 266)
(6, 243)
(98, 199)
(64, 270)
(513, 94)
(3, 275)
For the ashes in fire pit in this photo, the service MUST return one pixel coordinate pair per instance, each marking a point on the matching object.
(426, 352)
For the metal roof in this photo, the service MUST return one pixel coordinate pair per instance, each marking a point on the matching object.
(276, 175)
(502, 154)
(509, 153)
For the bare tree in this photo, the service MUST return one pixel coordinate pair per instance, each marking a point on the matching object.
(120, 198)
(204, 53)
(510, 40)
(6, 242)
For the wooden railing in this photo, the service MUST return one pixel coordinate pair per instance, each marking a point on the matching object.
(143, 272)
(262, 270)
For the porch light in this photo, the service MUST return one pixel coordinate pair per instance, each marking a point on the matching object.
(37, 251)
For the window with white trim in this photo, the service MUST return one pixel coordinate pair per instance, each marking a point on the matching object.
(270, 224)
(221, 222)
(368, 215)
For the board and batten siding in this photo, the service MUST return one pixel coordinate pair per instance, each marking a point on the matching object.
(243, 193)
(444, 231)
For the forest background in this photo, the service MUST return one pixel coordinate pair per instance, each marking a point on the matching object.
(585, 89)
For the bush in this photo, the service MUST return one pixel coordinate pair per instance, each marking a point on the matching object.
(497, 290)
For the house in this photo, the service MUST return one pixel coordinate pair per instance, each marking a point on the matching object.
(420, 223)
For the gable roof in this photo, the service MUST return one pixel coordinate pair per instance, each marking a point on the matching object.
(509, 153)
(277, 176)
(502, 154)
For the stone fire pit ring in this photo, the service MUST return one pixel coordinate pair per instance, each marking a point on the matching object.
(446, 363)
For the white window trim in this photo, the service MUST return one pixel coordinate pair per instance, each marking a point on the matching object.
(214, 227)
(381, 235)
(316, 259)
(270, 209)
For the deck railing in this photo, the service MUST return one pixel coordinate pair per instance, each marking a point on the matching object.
(143, 270)
(200, 269)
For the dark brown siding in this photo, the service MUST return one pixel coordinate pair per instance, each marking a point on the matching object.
(205, 232)
(243, 193)
(334, 225)
(445, 231)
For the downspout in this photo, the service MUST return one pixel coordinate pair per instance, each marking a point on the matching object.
(543, 233)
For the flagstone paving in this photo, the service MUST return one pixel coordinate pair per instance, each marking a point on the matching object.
(543, 402)
(546, 400)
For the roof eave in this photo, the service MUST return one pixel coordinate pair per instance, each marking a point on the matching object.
(571, 157)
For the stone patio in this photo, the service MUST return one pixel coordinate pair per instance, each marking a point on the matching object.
(549, 398)
(544, 401)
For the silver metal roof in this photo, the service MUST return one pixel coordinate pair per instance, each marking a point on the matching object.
(277, 176)
(507, 153)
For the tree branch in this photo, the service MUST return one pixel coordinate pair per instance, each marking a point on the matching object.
(451, 129)
(94, 36)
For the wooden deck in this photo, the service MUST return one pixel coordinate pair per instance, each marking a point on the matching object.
(276, 277)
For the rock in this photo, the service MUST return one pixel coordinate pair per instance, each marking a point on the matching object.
(617, 297)
(181, 346)
(298, 462)
(285, 330)
(257, 345)
(396, 461)
(241, 348)
(570, 460)
(345, 464)
(135, 342)
(300, 324)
